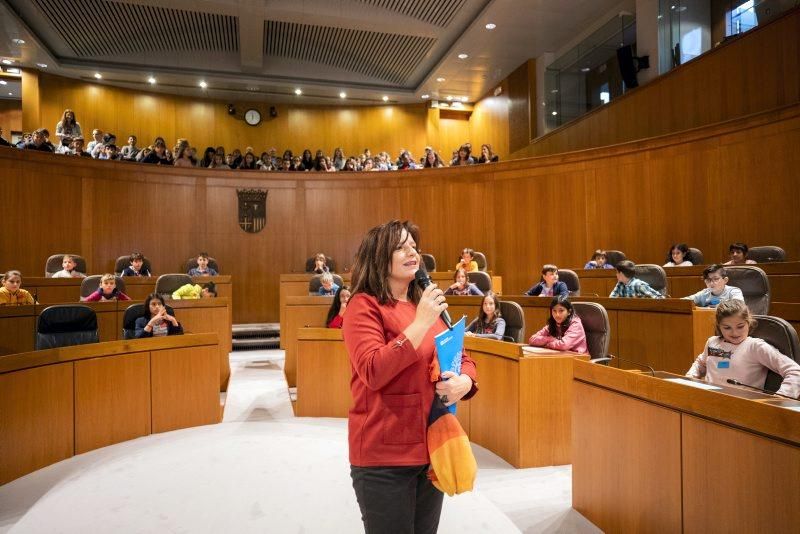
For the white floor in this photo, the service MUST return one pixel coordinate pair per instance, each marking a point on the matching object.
(262, 470)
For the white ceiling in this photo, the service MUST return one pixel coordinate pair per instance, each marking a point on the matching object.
(264, 50)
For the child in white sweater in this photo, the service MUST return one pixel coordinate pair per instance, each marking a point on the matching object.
(732, 353)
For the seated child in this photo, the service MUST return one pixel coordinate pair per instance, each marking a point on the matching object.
(564, 330)
(732, 353)
(136, 268)
(195, 291)
(738, 254)
(467, 262)
(11, 294)
(489, 324)
(679, 256)
(461, 285)
(320, 265)
(107, 290)
(68, 269)
(328, 288)
(630, 286)
(549, 286)
(717, 289)
(156, 321)
(202, 268)
(598, 261)
(338, 306)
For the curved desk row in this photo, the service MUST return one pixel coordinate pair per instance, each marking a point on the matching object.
(61, 402)
(18, 325)
(650, 455)
(521, 412)
(296, 285)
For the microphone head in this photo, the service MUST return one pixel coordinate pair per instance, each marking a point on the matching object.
(421, 276)
(732, 381)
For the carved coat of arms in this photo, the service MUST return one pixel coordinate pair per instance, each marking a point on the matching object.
(252, 209)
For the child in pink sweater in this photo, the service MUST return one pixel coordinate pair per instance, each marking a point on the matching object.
(732, 353)
(564, 330)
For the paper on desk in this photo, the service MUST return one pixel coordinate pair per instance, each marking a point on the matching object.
(538, 350)
(692, 384)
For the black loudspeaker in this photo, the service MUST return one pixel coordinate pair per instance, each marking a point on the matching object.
(231, 109)
(273, 111)
(627, 68)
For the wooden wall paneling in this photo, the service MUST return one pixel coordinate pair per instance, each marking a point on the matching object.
(10, 117)
(745, 480)
(19, 329)
(642, 462)
(112, 400)
(518, 110)
(663, 348)
(31, 111)
(489, 124)
(494, 412)
(184, 387)
(36, 411)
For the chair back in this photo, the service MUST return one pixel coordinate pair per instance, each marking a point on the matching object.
(64, 325)
(570, 278)
(696, 256)
(613, 257)
(515, 321)
(330, 262)
(133, 312)
(766, 254)
(125, 261)
(754, 284)
(90, 284)
(53, 264)
(316, 282)
(166, 284)
(191, 263)
(480, 259)
(429, 261)
(655, 275)
(781, 335)
(481, 279)
(595, 322)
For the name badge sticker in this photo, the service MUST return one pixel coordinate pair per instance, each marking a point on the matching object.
(724, 364)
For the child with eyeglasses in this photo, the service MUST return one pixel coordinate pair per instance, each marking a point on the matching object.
(717, 289)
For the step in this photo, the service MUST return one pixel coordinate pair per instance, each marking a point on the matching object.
(256, 343)
(249, 330)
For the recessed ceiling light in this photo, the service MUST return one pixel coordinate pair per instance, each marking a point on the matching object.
(440, 79)
(426, 96)
(151, 80)
(585, 69)
(12, 71)
(464, 99)
(444, 105)
(203, 84)
(554, 91)
(491, 26)
(42, 65)
(8, 62)
(385, 98)
(3, 82)
(10, 94)
(18, 41)
(342, 95)
(463, 56)
(554, 113)
(449, 98)
(98, 75)
(298, 92)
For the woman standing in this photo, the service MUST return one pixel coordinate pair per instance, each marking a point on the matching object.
(389, 333)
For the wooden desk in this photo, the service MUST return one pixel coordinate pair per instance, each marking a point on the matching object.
(784, 280)
(655, 456)
(521, 413)
(63, 290)
(59, 402)
(300, 312)
(296, 285)
(18, 325)
(665, 334)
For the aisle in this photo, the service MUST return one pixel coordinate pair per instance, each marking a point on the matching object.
(262, 470)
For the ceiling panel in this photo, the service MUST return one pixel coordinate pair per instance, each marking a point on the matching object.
(437, 12)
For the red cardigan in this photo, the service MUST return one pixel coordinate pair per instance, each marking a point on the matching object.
(390, 383)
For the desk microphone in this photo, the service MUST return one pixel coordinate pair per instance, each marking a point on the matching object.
(762, 390)
(424, 280)
(652, 371)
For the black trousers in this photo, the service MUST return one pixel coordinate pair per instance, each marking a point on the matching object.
(397, 500)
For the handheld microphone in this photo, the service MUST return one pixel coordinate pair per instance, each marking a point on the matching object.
(424, 280)
(762, 390)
